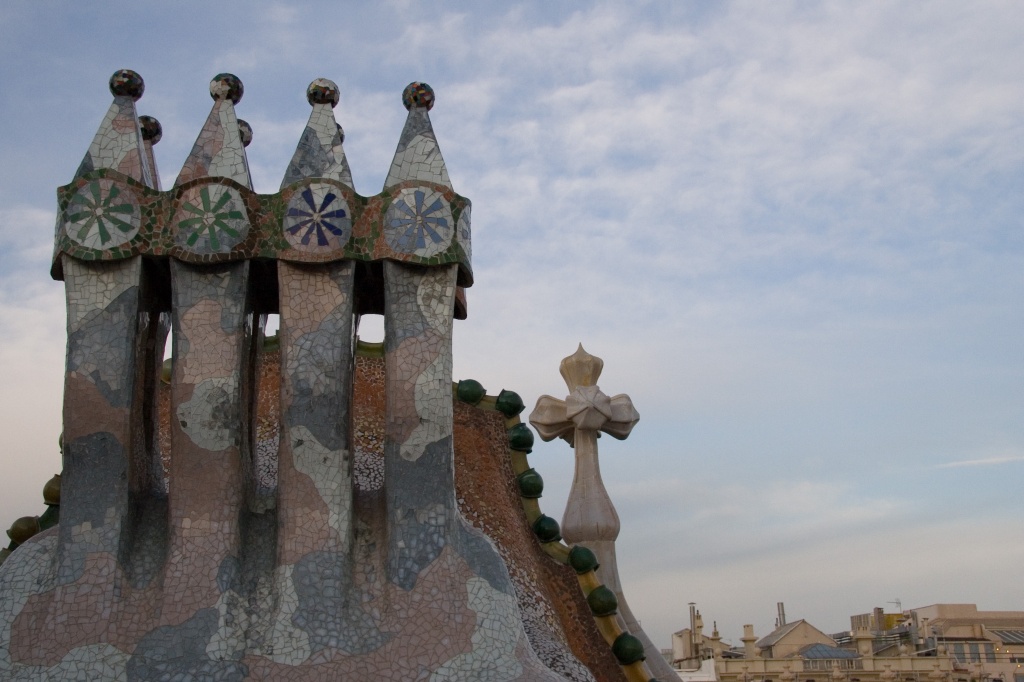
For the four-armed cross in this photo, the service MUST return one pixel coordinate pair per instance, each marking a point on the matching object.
(589, 514)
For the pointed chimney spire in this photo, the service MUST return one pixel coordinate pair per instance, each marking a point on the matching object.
(118, 142)
(212, 218)
(317, 215)
(219, 150)
(320, 153)
(152, 132)
(418, 157)
(419, 221)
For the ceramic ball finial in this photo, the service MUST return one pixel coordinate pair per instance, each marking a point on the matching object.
(127, 83)
(245, 132)
(152, 131)
(323, 91)
(226, 86)
(419, 95)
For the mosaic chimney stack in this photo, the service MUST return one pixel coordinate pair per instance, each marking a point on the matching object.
(216, 571)
(107, 340)
(315, 488)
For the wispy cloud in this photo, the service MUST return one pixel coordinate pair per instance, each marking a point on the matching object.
(985, 462)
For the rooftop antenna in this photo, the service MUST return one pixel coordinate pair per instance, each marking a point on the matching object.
(693, 631)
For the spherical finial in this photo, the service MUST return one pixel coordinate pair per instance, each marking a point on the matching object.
(245, 131)
(152, 131)
(127, 83)
(470, 391)
(583, 560)
(323, 91)
(23, 529)
(226, 86)
(602, 602)
(51, 491)
(509, 403)
(531, 485)
(520, 437)
(546, 529)
(628, 649)
(418, 95)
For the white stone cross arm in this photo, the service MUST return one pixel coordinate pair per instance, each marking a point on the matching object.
(586, 408)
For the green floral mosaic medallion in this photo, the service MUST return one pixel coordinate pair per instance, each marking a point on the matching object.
(102, 215)
(210, 219)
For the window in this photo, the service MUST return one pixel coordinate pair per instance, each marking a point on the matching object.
(826, 664)
(975, 656)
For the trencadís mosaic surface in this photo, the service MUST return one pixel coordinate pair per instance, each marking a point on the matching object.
(214, 529)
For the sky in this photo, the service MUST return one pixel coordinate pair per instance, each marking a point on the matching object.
(792, 231)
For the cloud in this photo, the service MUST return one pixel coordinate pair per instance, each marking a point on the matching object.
(988, 461)
(26, 233)
(745, 517)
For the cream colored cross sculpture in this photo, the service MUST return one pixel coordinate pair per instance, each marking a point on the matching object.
(590, 518)
(589, 514)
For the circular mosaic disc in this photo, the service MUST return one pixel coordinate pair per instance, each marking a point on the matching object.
(210, 219)
(102, 215)
(317, 218)
(419, 222)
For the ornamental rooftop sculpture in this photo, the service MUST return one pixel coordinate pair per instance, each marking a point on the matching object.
(307, 526)
(590, 518)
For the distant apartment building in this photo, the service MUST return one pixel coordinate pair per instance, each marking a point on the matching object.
(989, 643)
(937, 643)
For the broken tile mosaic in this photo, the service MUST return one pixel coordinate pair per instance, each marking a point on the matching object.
(308, 526)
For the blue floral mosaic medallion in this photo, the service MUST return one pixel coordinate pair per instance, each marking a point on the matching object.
(419, 222)
(317, 218)
(210, 219)
(102, 215)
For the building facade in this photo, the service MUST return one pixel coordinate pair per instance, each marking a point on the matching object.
(940, 643)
